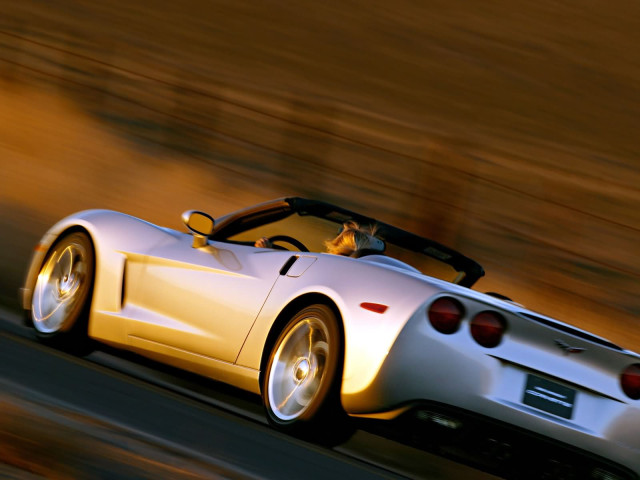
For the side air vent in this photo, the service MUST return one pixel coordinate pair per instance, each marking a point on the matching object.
(124, 284)
(572, 331)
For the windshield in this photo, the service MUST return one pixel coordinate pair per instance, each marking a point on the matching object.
(313, 222)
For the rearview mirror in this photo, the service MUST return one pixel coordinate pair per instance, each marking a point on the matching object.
(200, 224)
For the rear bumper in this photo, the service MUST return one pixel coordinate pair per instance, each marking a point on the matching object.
(493, 445)
(422, 369)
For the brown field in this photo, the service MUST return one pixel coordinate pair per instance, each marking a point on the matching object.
(40, 441)
(505, 129)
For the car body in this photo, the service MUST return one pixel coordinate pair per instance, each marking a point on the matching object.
(399, 338)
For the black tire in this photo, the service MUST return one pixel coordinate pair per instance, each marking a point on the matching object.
(301, 382)
(62, 294)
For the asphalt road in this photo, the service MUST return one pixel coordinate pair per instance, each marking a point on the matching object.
(118, 416)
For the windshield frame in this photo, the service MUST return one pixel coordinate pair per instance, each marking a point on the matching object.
(228, 226)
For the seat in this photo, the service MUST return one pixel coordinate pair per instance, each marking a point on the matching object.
(364, 252)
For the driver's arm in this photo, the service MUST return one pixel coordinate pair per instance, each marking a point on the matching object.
(263, 243)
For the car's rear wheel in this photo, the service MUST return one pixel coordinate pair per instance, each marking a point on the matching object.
(301, 384)
(62, 293)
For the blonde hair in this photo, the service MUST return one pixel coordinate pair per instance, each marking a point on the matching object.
(351, 238)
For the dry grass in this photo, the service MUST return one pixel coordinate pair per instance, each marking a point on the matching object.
(505, 130)
(49, 442)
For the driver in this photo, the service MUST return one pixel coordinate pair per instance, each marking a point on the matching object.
(349, 241)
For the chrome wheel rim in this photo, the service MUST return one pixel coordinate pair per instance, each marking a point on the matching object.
(59, 289)
(298, 369)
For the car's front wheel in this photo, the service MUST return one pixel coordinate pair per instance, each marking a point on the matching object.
(62, 293)
(301, 384)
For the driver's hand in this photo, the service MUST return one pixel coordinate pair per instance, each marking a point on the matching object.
(263, 243)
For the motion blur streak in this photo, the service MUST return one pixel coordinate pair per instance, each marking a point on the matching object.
(199, 108)
(507, 131)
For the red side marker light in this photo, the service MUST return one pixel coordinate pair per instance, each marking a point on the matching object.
(374, 307)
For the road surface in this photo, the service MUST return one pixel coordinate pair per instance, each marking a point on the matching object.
(113, 415)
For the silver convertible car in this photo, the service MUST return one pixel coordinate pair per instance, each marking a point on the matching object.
(397, 337)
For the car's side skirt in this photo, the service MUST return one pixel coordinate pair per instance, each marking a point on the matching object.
(238, 376)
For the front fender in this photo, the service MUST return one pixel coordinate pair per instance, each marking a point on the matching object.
(114, 235)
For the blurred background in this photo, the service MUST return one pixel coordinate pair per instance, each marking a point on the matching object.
(507, 130)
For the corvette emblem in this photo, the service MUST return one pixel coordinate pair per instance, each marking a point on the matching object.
(568, 348)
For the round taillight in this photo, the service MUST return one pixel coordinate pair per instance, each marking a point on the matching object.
(445, 314)
(487, 328)
(630, 381)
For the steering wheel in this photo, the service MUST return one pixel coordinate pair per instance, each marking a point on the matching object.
(286, 238)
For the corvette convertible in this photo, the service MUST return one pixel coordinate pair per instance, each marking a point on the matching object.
(398, 336)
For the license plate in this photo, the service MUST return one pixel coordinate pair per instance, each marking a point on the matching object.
(549, 396)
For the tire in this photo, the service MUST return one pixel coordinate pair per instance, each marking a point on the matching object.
(301, 384)
(62, 294)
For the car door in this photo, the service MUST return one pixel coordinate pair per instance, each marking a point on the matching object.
(202, 301)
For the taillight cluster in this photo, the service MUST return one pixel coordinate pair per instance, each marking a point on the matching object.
(630, 381)
(445, 314)
(487, 327)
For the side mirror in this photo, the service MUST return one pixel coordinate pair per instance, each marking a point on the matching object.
(200, 224)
